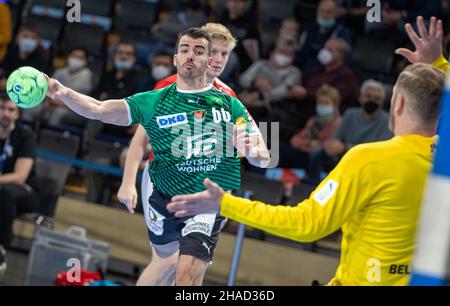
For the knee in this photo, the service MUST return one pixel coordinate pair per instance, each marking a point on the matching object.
(8, 194)
(165, 256)
(185, 276)
(190, 273)
(166, 265)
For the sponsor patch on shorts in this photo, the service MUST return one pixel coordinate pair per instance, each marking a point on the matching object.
(155, 221)
(326, 192)
(202, 224)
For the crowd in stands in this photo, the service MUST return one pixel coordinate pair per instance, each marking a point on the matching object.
(304, 64)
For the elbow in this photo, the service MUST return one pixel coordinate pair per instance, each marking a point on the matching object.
(97, 113)
(20, 179)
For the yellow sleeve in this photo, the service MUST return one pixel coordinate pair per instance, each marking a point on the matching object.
(441, 63)
(342, 194)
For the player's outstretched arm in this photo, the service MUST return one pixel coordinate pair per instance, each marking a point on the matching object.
(127, 192)
(110, 111)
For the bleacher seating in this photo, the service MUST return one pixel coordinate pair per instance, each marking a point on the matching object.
(103, 8)
(134, 18)
(64, 144)
(299, 193)
(98, 149)
(58, 4)
(50, 28)
(274, 13)
(373, 58)
(92, 37)
(262, 189)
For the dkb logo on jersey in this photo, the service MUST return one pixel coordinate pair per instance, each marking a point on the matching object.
(168, 121)
(222, 115)
(201, 145)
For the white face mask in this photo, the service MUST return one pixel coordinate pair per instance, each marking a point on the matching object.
(325, 57)
(282, 60)
(325, 111)
(123, 65)
(28, 45)
(160, 72)
(75, 63)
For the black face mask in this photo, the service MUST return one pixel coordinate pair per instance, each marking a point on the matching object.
(370, 107)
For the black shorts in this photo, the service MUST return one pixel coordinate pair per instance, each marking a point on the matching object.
(197, 235)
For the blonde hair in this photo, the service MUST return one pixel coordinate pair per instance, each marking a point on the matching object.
(330, 92)
(220, 32)
(422, 86)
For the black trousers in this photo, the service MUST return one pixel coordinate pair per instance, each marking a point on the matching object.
(15, 200)
(48, 197)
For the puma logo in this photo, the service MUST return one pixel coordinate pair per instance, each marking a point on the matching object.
(207, 247)
(193, 101)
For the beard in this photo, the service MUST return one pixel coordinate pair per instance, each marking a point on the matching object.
(5, 123)
(192, 73)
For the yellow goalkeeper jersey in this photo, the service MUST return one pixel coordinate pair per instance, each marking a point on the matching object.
(441, 63)
(374, 194)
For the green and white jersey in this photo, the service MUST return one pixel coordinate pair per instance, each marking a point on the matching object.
(191, 133)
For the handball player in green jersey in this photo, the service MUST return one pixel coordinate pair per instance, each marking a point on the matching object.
(196, 132)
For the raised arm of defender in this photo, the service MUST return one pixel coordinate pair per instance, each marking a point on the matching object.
(110, 111)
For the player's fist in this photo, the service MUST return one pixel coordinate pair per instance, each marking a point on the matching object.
(128, 196)
(244, 142)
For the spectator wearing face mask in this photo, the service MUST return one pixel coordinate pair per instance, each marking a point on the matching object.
(77, 76)
(320, 128)
(26, 51)
(161, 66)
(124, 78)
(368, 123)
(122, 81)
(333, 71)
(315, 35)
(273, 77)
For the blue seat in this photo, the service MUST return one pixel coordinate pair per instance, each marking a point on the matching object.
(92, 37)
(135, 17)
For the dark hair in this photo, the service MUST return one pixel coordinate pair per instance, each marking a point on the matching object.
(84, 49)
(125, 43)
(29, 27)
(195, 33)
(193, 4)
(162, 53)
(4, 97)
